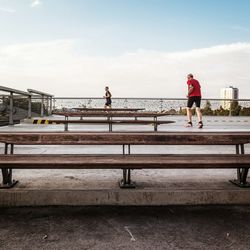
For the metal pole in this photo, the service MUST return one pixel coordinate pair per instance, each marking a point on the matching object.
(50, 106)
(54, 103)
(230, 108)
(42, 103)
(47, 105)
(11, 121)
(29, 107)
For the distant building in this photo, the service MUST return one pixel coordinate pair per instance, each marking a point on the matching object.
(228, 93)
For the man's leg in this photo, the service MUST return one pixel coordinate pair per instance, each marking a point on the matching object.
(189, 114)
(199, 114)
(190, 103)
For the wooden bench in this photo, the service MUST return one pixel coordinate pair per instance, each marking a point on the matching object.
(125, 161)
(109, 122)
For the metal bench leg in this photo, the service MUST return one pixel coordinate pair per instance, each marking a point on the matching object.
(155, 127)
(7, 172)
(126, 181)
(242, 173)
(66, 127)
(110, 126)
(155, 124)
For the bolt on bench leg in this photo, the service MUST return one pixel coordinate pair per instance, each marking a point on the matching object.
(7, 172)
(126, 181)
(242, 173)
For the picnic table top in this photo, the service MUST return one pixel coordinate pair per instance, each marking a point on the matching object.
(109, 109)
(110, 114)
(102, 121)
(125, 138)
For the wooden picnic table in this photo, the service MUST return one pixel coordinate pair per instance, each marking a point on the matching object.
(110, 121)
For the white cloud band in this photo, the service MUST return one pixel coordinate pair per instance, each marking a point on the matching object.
(62, 71)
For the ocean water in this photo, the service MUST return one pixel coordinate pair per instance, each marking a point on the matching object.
(147, 104)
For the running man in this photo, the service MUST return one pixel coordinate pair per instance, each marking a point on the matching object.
(194, 96)
(108, 98)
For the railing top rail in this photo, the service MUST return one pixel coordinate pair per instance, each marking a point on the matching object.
(14, 91)
(39, 92)
(147, 98)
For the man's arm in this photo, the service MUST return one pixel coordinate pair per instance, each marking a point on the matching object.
(190, 89)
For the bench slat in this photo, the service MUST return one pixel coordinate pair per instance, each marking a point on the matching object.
(124, 161)
(110, 114)
(125, 138)
(115, 122)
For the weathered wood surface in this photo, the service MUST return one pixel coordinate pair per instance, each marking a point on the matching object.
(110, 114)
(142, 122)
(124, 161)
(110, 109)
(125, 138)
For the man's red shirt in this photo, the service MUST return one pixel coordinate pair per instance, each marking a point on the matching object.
(196, 87)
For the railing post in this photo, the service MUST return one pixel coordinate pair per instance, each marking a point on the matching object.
(42, 109)
(11, 121)
(29, 107)
(50, 106)
(54, 103)
(47, 105)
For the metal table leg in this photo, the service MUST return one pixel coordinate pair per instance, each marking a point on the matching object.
(126, 182)
(7, 181)
(242, 173)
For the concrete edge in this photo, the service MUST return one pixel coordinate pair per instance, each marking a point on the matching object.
(12, 198)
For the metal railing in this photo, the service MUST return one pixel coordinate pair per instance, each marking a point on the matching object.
(175, 106)
(17, 104)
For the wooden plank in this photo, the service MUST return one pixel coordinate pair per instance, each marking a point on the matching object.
(144, 122)
(124, 161)
(110, 109)
(120, 138)
(110, 114)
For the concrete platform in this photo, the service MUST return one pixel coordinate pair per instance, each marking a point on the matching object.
(71, 190)
(154, 187)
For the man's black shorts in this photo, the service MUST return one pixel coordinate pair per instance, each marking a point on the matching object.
(192, 100)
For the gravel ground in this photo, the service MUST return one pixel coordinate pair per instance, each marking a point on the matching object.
(182, 227)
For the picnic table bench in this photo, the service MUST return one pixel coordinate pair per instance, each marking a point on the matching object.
(125, 161)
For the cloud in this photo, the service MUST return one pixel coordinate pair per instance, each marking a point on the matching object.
(7, 10)
(35, 3)
(56, 67)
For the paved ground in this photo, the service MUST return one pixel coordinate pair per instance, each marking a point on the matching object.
(125, 228)
(206, 227)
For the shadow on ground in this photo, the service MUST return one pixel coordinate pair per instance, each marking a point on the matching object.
(171, 227)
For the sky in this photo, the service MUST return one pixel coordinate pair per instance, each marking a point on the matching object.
(139, 48)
